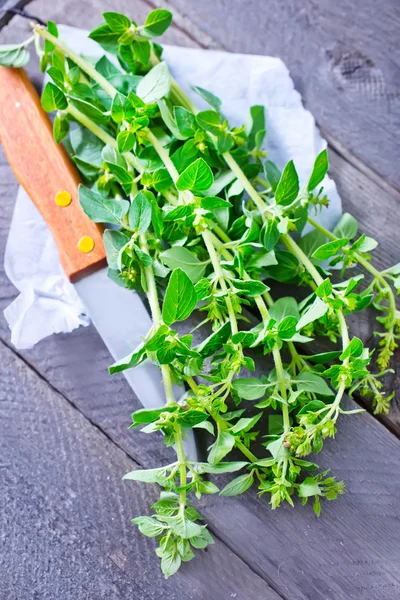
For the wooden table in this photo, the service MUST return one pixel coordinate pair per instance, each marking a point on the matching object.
(64, 444)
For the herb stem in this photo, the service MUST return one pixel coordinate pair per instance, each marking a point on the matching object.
(79, 60)
(302, 257)
(152, 297)
(245, 451)
(252, 192)
(182, 466)
(208, 240)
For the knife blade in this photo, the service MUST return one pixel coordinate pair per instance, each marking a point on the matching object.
(44, 169)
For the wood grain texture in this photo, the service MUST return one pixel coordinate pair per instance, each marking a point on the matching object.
(64, 511)
(352, 552)
(44, 169)
(344, 58)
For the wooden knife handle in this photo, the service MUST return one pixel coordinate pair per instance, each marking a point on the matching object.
(44, 169)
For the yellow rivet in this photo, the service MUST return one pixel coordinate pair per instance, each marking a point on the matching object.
(86, 244)
(63, 198)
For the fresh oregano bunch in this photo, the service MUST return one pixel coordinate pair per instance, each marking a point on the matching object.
(203, 220)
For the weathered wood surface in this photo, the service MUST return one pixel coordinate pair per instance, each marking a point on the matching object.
(344, 57)
(351, 552)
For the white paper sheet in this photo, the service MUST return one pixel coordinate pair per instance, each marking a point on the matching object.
(48, 303)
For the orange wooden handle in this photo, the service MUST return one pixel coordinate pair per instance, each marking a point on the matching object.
(43, 168)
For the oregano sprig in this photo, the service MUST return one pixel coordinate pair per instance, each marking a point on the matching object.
(203, 220)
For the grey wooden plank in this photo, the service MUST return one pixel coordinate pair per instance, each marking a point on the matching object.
(344, 58)
(64, 511)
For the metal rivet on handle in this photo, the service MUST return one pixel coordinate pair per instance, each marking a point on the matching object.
(63, 198)
(86, 244)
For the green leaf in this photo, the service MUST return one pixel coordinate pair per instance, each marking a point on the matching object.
(209, 120)
(330, 249)
(101, 209)
(51, 28)
(90, 110)
(161, 180)
(225, 142)
(208, 97)
(310, 242)
(313, 406)
(224, 467)
(178, 212)
(207, 425)
(365, 244)
(57, 76)
(317, 310)
(145, 415)
(310, 382)
(60, 129)
(287, 328)
(149, 526)
(157, 22)
(238, 485)
(53, 98)
(106, 37)
(180, 298)
(270, 235)
(288, 186)
(250, 287)
(114, 240)
(155, 84)
(323, 357)
(140, 212)
(213, 202)
(203, 540)
(245, 424)
(86, 146)
(319, 171)
(169, 120)
(215, 341)
(123, 177)
(14, 55)
(128, 362)
(284, 307)
(347, 227)
(117, 23)
(191, 418)
(354, 348)
(106, 68)
(125, 141)
(148, 475)
(182, 258)
(272, 174)
(287, 266)
(197, 177)
(170, 562)
(249, 388)
(308, 488)
(255, 123)
(121, 109)
(324, 289)
(221, 447)
(185, 121)
(142, 51)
